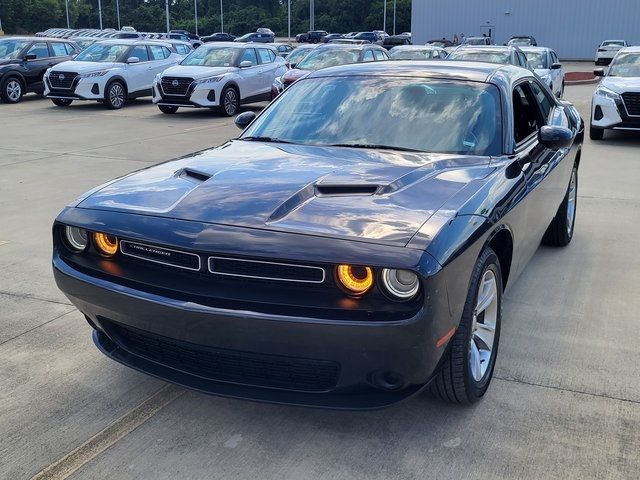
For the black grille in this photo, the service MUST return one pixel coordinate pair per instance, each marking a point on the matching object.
(62, 79)
(232, 366)
(265, 270)
(632, 102)
(176, 85)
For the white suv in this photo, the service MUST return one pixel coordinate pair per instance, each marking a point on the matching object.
(608, 49)
(222, 75)
(110, 71)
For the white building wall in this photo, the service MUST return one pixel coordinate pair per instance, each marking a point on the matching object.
(573, 28)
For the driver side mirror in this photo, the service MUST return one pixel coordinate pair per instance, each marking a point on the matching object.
(133, 60)
(243, 120)
(555, 137)
(556, 66)
(30, 56)
(599, 72)
(246, 64)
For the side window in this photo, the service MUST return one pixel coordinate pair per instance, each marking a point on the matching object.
(525, 114)
(368, 56)
(58, 49)
(272, 55)
(157, 52)
(379, 55)
(250, 55)
(554, 58)
(69, 48)
(167, 52)
(546, 104)
(40, 50)
(141, 52)
(264, 55)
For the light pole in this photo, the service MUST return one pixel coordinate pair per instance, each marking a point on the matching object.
(195, 4)
(166, 7)
(221, 18)
(117, 12)
(384, 17)
(66, 4)
(100, 12)
(289, 19)
(312, 20)
(394, 17)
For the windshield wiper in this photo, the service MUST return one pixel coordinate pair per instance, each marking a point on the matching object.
(264, 139)
(374, 146)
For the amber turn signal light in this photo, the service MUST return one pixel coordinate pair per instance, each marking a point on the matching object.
(105, 244)
(355, 280)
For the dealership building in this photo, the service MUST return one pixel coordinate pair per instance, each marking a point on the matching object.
(573, 28)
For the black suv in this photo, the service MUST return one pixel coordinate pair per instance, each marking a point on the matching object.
(23, 61)
(256, 37)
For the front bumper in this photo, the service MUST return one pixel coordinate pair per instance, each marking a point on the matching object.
(202, 96)
(611, 114)
(82, 89)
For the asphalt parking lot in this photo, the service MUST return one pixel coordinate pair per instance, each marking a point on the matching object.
(564, 402)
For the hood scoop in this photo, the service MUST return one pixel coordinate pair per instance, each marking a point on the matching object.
(193, 175)
(343, 190)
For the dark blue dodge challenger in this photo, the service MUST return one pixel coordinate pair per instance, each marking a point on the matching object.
(348, 250)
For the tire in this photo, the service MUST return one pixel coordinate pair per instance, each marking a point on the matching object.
(62, 102)
(12, 90)
(560, 231)
(168, 109)
(230, 101)
(596, 133)
(115, 95)
(458, 381)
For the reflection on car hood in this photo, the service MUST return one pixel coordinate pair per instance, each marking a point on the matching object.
(294, 74)
(84, 67)
(622, 84)
(360, 194)
(195, 72)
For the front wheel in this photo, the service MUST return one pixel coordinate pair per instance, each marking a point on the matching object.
(560, 231)
(12, 90)
(168, 109)
(467, 370)
(62, 102)
(230, 101)
(116, 95)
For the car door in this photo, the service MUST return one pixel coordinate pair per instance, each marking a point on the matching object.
(249, 77)
(139, 75)
(35, 67)
(269, 70)
(160, 58)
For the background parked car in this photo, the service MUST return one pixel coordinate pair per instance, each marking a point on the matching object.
(109, 71)
(181, 47)
(607, 50)
(24, 60)
(444, 43)
(522, 41)
(218, 37)
(371, 37)
(299, 53)
(283, 49)
(395, 40)
(544, 62)
(476, 41)
(256, 37)
(491, 54)
(219, 75)
(616, 100)
(331, 36)
(417, 52)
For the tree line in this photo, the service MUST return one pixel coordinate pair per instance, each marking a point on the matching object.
(240, 16)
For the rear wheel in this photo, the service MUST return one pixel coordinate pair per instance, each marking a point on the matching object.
(466, 372)
(596, 133)
(62, 102)
(115, 95)
(12, 90)
(168, 109)
(560, 231)
(230, 101)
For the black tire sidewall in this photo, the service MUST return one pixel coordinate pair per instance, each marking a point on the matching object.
(222, 97)
(107, 95)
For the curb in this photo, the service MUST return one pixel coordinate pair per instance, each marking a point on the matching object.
(582, 82)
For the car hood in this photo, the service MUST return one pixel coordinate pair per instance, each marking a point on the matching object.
(622, 84)
(195, 72)
(84, 67)
(294, 74)
(359, 194)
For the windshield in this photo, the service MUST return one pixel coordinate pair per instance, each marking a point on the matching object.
(402, 113)
(328, 58)
(9, 49)
(625, 65)
(613, 43)
(212, 57)
(411, 54)
(477, 56)
(537, 60)
(101, 52)
(298, 54)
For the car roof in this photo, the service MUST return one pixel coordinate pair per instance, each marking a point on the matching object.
(131, 41)
(348, 46)
(534, 49)
(39, 39)
(630, 50)
(454, 70)
(417, 47)
(487, 48)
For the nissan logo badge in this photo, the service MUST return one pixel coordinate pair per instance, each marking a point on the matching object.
(61, 77)
(175, 83)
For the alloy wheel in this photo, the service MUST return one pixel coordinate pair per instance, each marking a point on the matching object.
(230, 101)
(116, 95)
(571, 201)
(483, 328)
(14, 90)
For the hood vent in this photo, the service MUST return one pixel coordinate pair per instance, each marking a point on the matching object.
(193, 175)
(343, 190)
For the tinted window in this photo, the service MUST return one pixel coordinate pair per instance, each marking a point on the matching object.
(58, 49)
(141, 52)
(10, 48)
(249, 55)
(182, 49)
(450, 116)
(40, 50)
(158, 52)
(525, 117)
(379, 55)
(368, 56)
(546, 104)
(69, 48)
(264, 55)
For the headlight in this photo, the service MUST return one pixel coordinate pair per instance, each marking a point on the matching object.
(208, 80)
(101, 73)
(355, 280)
(602, 91)
(402, 284)
(105, 244)
(77, 238)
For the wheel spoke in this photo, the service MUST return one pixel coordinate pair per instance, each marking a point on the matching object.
(484, 334)
(474, 362)
(487, 295)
